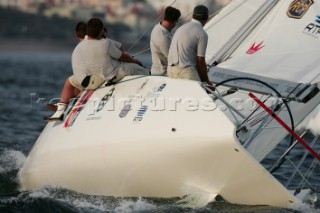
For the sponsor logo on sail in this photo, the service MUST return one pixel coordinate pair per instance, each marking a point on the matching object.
(313, 29)
(255, 48)
(298, 8)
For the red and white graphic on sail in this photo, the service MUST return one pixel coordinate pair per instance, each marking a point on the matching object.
(255, 48)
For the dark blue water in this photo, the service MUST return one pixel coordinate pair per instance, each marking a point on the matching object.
(28, 81)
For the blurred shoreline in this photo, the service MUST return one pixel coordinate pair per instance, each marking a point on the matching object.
(49, 45)
(35, 45)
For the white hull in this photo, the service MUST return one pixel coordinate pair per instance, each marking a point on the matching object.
(165, 154)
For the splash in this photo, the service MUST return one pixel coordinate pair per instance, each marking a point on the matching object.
(70, 198)
(314, 122)
(306, 208)
(140, 205)
(89, 203)
(196, 197)
(11, 160)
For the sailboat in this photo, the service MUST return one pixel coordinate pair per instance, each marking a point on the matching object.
(153, 136)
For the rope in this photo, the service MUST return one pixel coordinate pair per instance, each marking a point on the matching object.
(140, 52)
(270, 87)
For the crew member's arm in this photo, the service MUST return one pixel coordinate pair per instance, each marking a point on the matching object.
(202, 69)
(201, 62)
(116, 49)
(122, 48)
(164, 45)
(127, 58)
(118, 45)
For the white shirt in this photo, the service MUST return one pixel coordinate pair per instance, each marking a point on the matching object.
(159, 44)
(97, 57)
(188, 42)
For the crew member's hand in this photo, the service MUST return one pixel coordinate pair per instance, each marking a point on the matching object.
(139, 63)
(210, 86)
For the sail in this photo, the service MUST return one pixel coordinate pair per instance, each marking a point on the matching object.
(230, 23)
(274, 39)
(285, 44)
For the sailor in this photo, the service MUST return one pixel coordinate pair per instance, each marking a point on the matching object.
(98, 57)
(161, 39)
(97, 60)
(71, 86)
(186, 57)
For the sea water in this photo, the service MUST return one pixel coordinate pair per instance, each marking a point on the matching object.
(28, 81)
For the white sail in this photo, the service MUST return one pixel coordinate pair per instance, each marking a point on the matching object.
(283, 46)
(225, 28)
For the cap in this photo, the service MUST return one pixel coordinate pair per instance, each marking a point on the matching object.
(200, 12)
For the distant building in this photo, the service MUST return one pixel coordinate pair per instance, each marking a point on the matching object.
(138, 14)
(85, 13)
(186, 6)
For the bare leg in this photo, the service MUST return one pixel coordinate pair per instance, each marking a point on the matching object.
(76, 92)
(68, 92)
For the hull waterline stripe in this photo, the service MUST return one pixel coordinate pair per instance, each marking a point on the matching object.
(282, 123)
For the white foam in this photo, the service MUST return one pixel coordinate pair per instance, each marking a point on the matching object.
(305, 208)
(11, 160)
(97, 203)
(84, 203)
(41, 193)
(196, 197)
(134, 206)
(314, 122)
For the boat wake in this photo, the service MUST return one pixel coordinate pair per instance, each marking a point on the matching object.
(306, 208)
(62, 200)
